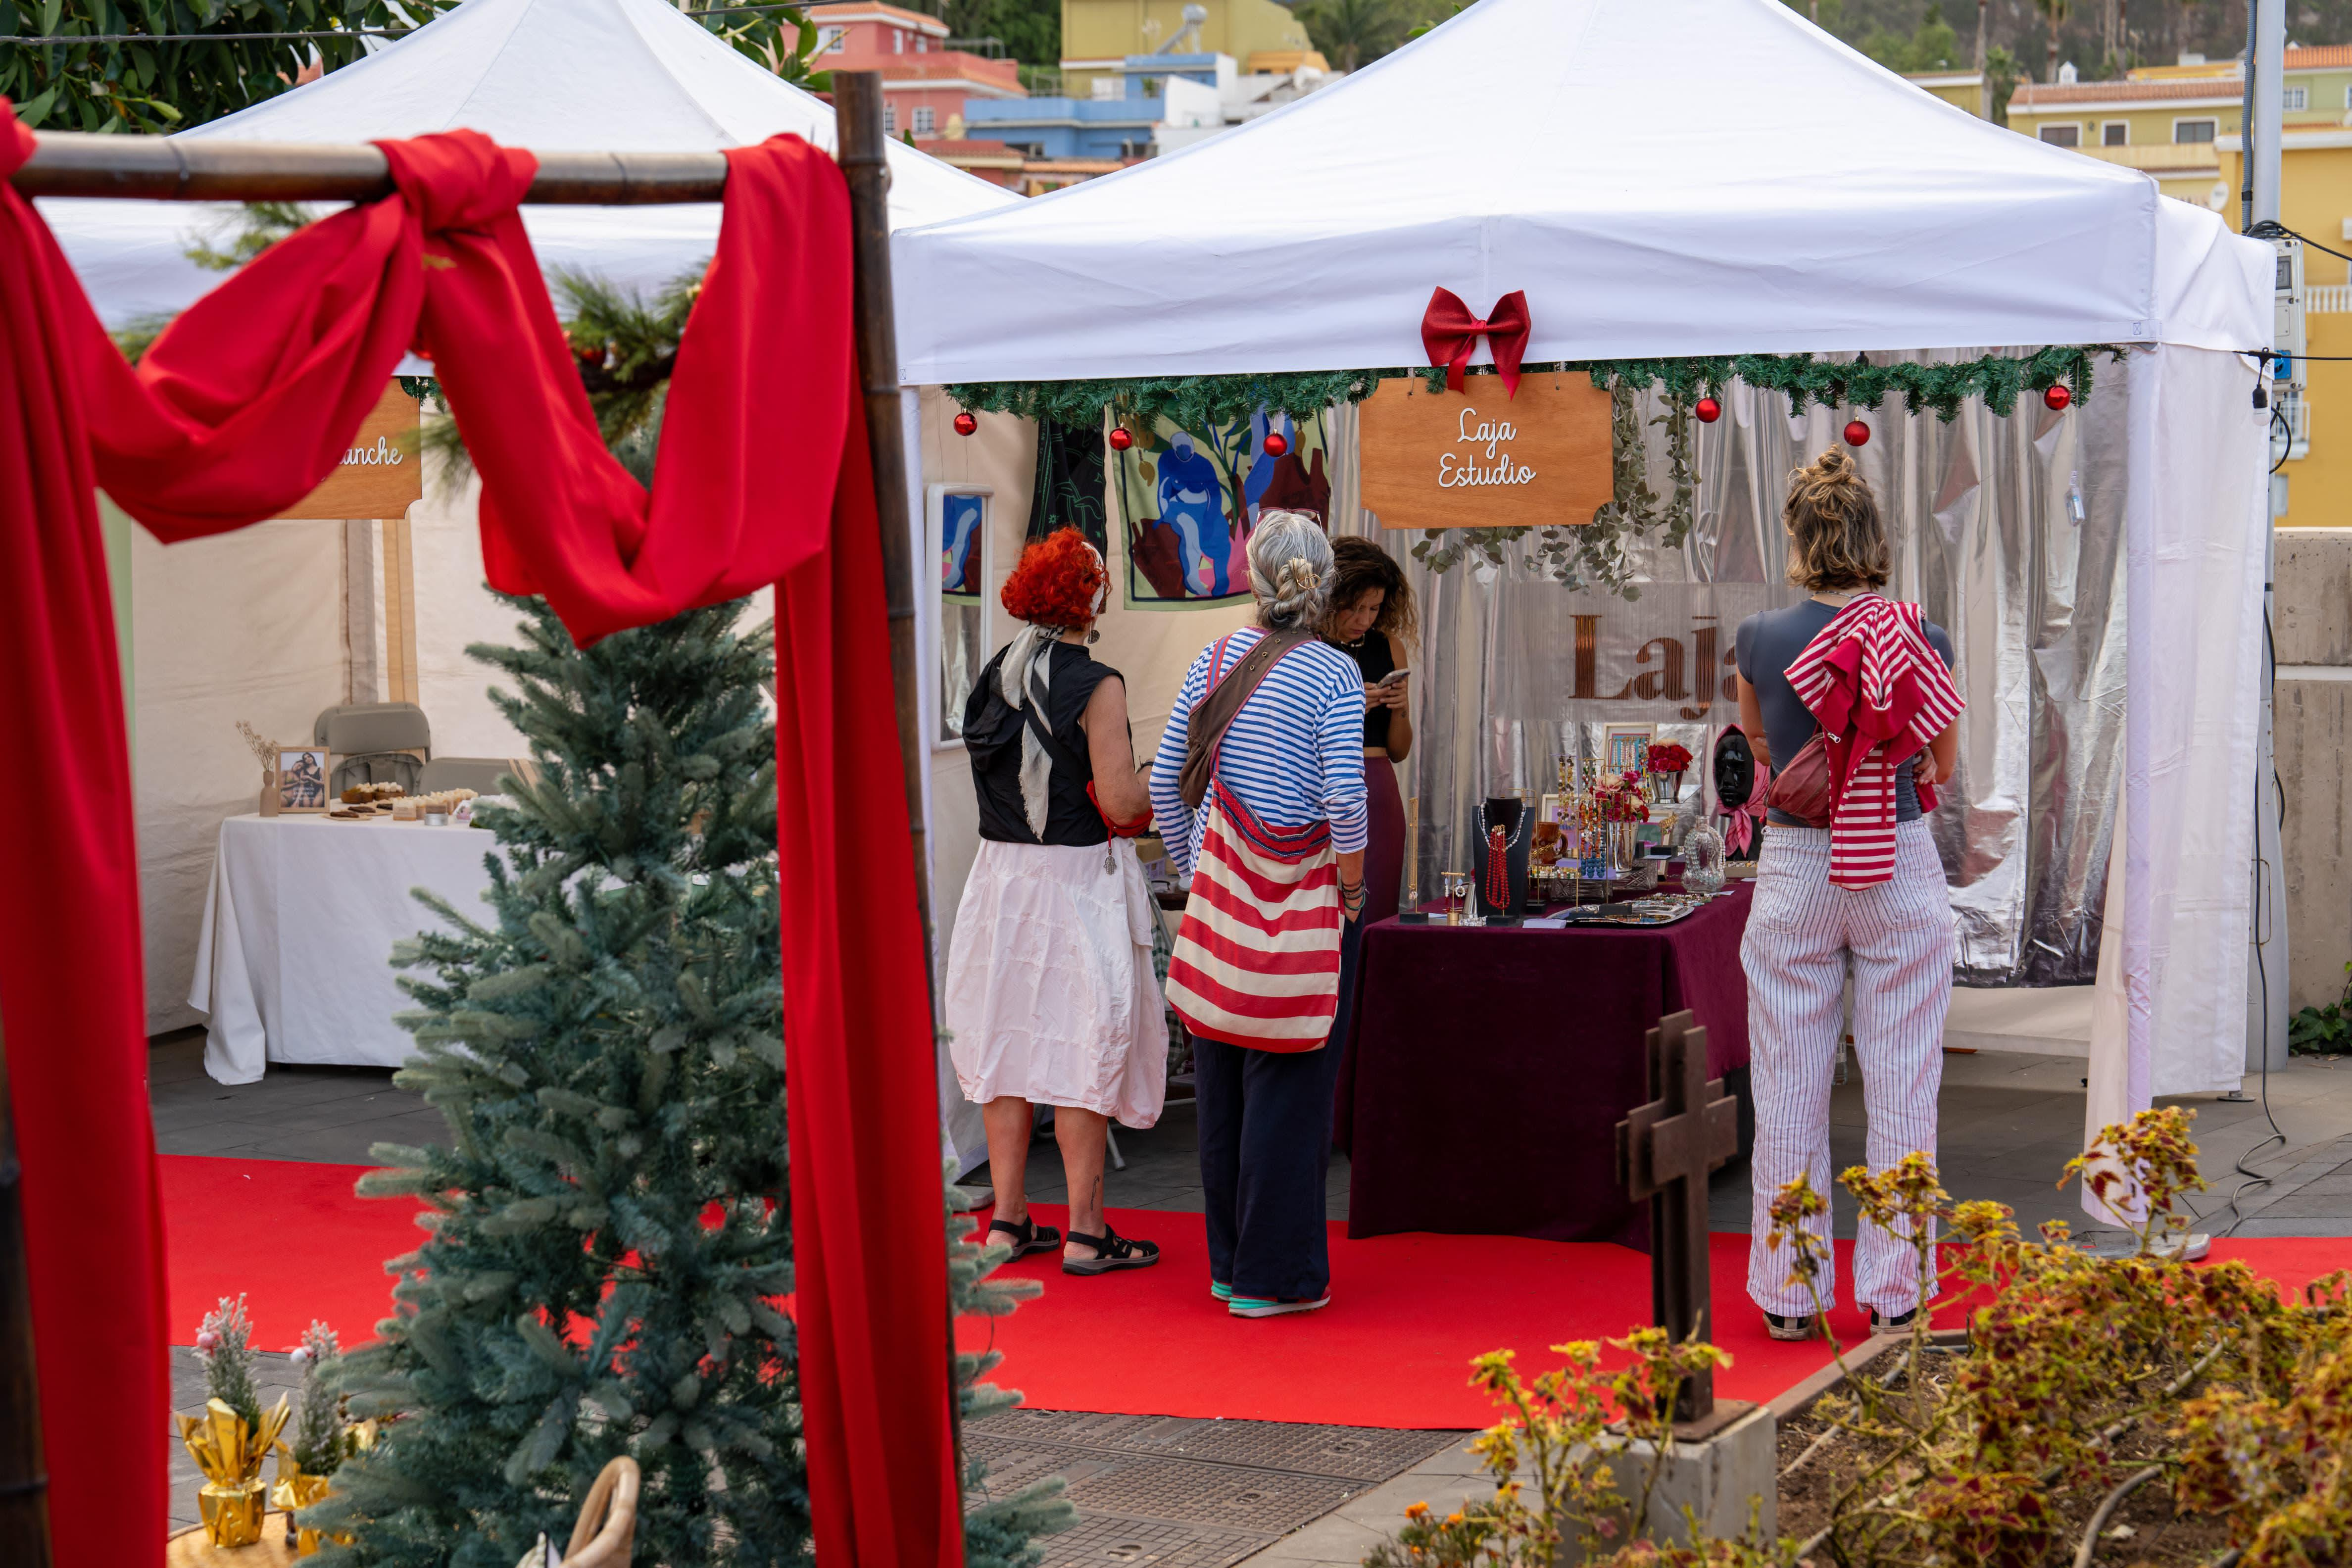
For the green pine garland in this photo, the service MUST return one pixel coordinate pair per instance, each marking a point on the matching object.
(1188, 402)
(1194, 402)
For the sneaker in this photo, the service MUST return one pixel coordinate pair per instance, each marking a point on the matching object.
(1881, 1324)
(1262, 1307)
(1221, 1290)
(1780, 1327)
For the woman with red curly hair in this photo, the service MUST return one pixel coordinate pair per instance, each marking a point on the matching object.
(1051, 999)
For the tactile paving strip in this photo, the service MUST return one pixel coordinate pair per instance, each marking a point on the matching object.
(1185, 1492)
(1104, 1543)
(1220, 1496)
(1348, 1452)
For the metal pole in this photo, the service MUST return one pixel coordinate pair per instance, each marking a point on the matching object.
(2263, 144)
(160, 168)
(24, 1483)
(857, 116)
(858, 121)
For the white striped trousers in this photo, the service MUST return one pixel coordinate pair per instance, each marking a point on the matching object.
(1800, 933)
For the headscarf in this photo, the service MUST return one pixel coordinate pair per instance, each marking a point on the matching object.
(1026, 678)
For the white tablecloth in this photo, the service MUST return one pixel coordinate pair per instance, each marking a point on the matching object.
(294, 960)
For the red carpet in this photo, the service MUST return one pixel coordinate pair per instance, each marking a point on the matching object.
(1393, 1349)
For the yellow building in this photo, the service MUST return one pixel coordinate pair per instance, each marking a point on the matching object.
(2179, 124)
(1962, 90)
(1098, 35)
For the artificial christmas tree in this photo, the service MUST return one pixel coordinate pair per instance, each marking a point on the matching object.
(610, 1230)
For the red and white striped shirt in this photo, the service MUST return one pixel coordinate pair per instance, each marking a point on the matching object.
(1880, 693)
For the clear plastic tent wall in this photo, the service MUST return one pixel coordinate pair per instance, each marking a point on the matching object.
(1689, 177)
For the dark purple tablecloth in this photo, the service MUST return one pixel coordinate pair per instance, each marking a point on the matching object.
(1488, 1068)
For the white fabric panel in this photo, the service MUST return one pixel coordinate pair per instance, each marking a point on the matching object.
(2119, 1077)
(1310, 239)
(575, 75)
(243, 625)
(299, 923)
(454, 608)
(2196, 524)
(2213, 289)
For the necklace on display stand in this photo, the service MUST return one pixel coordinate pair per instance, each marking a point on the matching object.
(1497, 883)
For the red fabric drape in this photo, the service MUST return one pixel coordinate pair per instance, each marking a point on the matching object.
(243, 406)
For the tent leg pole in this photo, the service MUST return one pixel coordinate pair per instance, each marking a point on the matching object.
(23, 1485)
(857, 120)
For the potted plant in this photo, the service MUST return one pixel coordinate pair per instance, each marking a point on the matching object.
(233, 1435)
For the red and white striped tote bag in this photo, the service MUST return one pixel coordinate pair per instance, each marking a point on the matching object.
(1258, 957)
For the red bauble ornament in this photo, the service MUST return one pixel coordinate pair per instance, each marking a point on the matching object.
(1277, 443)
(1708, 410)
(965, 423)
(1121, 439)
(2056, 398)
(1857, 434)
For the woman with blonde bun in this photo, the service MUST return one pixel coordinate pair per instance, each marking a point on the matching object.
(1258, 787)
(1849, 697)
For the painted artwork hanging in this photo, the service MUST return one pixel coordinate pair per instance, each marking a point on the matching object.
(1189, 497)
(1068, 489)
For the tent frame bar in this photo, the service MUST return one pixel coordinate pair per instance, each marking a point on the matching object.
(171, 169)
(157, 168)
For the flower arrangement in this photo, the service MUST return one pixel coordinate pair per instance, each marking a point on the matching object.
(1624, 800)
(2189, 1412)
(1668, 757)
(265, 752)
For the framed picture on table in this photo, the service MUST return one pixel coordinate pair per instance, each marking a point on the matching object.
(301, 778)
(1625, 748)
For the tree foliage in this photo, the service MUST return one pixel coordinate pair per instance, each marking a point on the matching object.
(1352, 32)
(158, 86)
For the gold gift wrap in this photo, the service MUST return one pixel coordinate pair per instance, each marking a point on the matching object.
(296, 1490)
(229, 1450)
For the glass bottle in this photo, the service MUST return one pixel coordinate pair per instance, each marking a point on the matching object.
(1702, 860)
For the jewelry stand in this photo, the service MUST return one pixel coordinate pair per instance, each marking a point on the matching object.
(1410, 913)
(1504, 827)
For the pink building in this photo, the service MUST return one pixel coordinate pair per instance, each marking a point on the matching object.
(924, 82)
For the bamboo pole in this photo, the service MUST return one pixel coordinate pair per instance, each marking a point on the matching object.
(23, 1484)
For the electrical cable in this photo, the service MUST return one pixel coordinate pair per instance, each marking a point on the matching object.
(32, 40)
(2255, 1180)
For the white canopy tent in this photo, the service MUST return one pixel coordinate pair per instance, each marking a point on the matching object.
(563, 75)
(1696, 177)
(308, 610)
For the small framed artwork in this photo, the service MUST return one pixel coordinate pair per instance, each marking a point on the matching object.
(959, 526)
(302, 778)
(1547, 808)
(1625, 748)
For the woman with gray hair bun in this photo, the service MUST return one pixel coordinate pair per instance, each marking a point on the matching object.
(1258, 786)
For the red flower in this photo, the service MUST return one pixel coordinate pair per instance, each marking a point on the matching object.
(1666, 757)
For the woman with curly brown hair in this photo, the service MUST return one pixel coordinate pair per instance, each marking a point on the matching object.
(1051, 998)
(1372, 621)
(1849, 697)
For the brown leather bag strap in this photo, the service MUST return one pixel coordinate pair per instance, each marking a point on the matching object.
(1220, 703)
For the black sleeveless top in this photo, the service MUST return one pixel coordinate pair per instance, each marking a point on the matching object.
(1373, 657)
(993, 739)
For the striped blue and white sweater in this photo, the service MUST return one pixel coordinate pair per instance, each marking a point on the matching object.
(1295, 753)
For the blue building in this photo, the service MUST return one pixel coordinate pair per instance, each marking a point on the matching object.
(1152, 91)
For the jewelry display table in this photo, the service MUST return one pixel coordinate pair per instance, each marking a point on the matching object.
(293, 962)
(1489, 1068)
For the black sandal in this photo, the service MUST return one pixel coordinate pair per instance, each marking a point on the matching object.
(1028, 1236)
(1115, 1252)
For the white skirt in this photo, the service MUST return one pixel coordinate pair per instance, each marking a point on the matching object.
(1050, 993)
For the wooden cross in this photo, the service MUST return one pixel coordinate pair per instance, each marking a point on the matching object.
(1664, 1150)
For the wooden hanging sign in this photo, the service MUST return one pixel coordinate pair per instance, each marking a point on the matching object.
(1475, 458)
(381, 472)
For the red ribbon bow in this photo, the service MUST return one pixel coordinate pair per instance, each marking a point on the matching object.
(1450, 332)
